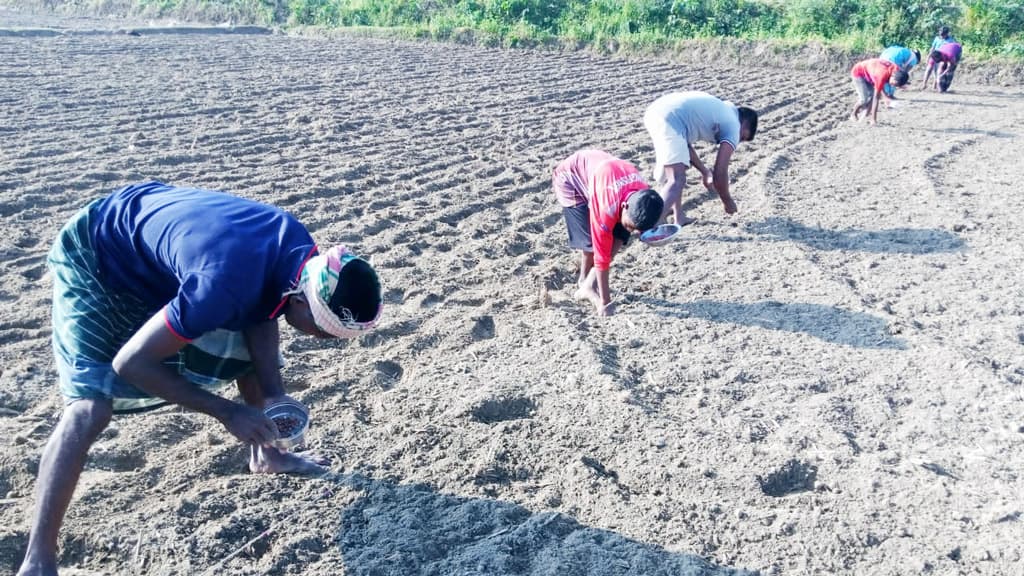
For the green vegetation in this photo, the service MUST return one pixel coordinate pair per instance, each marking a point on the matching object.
(986, 27)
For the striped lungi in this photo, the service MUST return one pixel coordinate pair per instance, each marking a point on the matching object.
(91, 322)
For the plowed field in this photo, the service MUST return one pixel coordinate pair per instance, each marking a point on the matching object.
(828, 382)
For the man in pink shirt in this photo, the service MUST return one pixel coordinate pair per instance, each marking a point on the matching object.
(604, 199)
(945, 59)
(869, 80)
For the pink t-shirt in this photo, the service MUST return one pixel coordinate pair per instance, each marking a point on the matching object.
(952, 51)
(569, 180)
(602, 182)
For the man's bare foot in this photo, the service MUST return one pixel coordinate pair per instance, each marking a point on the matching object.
(264, 460)
(585, 292)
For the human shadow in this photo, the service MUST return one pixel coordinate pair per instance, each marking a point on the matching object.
(411, 529)
(827, 323)
(892, 241)
(990, 94)
(958, 102)
(971, 131)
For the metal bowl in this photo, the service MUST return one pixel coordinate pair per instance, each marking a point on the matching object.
(292, 421)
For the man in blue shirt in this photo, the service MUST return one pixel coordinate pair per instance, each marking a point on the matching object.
(905, 58)
(161, 292)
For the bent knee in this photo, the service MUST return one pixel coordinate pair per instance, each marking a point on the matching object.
(89, 415)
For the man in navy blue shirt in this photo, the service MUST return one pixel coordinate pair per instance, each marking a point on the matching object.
(162, 292)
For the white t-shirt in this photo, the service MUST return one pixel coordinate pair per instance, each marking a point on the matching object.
(699, 116)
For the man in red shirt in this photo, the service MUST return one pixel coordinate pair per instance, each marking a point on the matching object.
(604, 199)
(869, 80)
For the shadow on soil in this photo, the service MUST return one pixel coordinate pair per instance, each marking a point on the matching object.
(970, 131)
(826, 323)
(957, 102)
(412, 529)
(894, 241)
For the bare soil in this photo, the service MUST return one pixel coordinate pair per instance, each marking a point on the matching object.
(828, 382)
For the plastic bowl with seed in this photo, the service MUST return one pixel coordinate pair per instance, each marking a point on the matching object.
(292, 421)
(661, 235)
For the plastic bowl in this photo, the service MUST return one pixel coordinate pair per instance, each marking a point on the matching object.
(292, 421)
(661, 234)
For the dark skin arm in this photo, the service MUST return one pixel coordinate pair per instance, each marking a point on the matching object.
(264, 343)
(139, 362)
(603, 286)
(721, 176)
(879, 94)
(695, 161)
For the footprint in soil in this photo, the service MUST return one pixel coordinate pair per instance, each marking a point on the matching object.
(794, 476)
(385, 375)
(493, 410)
(483, 328)
(116, 460)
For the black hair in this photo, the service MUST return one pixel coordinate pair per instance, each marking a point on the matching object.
(900, 78)
(917, 55)
(944, 31)
(645, 208)
(936, 56)
(358, 293)
(748, 116)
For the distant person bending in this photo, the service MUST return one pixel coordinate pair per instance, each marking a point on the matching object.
(946, 59)
(676, 122)
(869, 79)
(943, 37)
(904, 58)
(604, 199)
(161, 293)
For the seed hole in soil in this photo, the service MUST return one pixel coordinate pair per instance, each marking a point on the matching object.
(794, 476)
(503, 409)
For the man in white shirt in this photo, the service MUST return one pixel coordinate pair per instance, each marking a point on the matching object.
(675, 122)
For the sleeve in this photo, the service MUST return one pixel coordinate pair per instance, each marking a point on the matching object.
(203, 304)
(565, 184)
(729, 130)
(603, 216)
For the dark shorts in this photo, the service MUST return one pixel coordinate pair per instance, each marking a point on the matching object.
(947, 79)
(577, 222)
(865, 91)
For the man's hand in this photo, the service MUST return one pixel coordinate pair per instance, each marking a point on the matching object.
(708, 177)
(249, 425)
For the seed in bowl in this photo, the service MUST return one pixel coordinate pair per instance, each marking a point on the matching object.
(287, 425)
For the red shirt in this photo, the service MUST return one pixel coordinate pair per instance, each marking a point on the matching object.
(876, 71)
(610, 183)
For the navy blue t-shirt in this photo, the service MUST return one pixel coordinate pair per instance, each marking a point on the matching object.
(213, 259)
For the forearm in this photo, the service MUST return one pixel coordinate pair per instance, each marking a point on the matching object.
(156, 379)
(722, 182)
(264, 343)
(603, 290)
(695, 161)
